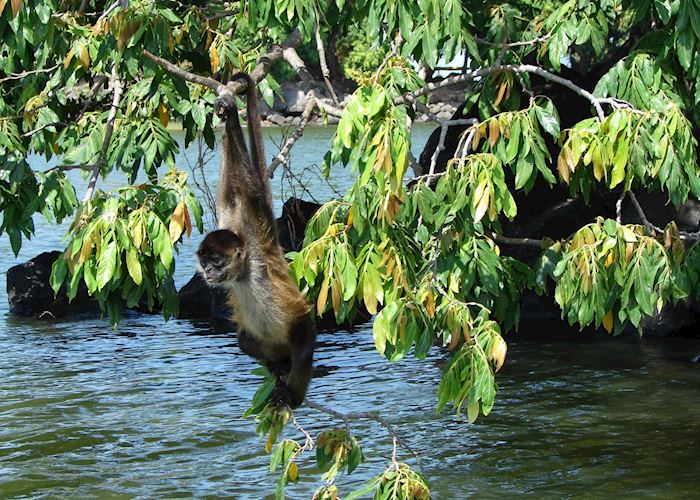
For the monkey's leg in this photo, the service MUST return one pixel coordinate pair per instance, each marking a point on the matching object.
(254, 348)
(303, 341)
(250, 345)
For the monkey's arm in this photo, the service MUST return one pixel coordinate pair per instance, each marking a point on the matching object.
(255, 137)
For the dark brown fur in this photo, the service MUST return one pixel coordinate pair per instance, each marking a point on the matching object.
(245, 257)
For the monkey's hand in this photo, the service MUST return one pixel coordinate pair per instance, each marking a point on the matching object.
(224, 105)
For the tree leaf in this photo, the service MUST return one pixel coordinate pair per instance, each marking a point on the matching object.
(16, 7)
(106, 264)
(177, 222)
(322, 296)
(134, 266)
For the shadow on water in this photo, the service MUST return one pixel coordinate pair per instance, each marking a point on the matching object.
(155, 410)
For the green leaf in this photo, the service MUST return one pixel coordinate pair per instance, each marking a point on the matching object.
(107, 263)
(134, 266)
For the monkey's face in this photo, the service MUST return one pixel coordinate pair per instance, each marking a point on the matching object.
(222, 258)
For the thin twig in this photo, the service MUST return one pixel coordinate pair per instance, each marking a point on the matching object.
(309, 442)
(109, 129)
(109, 10)
(346, 417)
(510, 45)
(650, 227)
(281, 157)
(17, 76)
(394, 49)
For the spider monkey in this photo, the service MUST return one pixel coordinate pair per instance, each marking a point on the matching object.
(244, 256)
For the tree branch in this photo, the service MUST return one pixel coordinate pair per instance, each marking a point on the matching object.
(274, 53)
(322, 59)
(515, 68)
(505, 45)
(17, 76)
(109, 129)
(216, 86)
(281, 157)
(526, 242)
(346, 417)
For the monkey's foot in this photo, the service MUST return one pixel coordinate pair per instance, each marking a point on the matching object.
(281, 396)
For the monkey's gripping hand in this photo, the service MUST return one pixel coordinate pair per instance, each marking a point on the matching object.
(225, 106)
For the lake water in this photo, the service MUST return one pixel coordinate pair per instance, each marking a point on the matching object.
(154, 409)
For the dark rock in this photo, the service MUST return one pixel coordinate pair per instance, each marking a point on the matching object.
(30, 295)
(276, 119)
(673, 320)
(198, 301)
(291, 225)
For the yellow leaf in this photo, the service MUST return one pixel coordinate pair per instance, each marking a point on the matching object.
(351, 217)
(498, 352)
(610, 258)
(137, 235)
(494, 130)
(476, 139)
(465, 332)
(563, 169)
(323, 297)
(430, 304)
(55, 147)
(67, 60)
(163, 114)
(293, 472)
(454, 284)
(214, 58)
(501, 93)
(370, 300)
(268, 444)
(2, 6)
(608, 321)
(482, 202)
(16, 7)
(454, 340)
(598, 169)
(84, 56)
(188, 222)
(171, 44)
(177, 222)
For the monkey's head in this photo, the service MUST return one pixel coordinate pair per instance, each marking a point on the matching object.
(222, 258)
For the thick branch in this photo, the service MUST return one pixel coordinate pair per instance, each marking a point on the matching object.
(515, 68)
(275, 53)
(324, 64)
(297, 63)
(523, 242)
(186, 75)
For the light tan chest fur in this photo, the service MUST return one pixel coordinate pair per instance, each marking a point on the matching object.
(258, 311)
